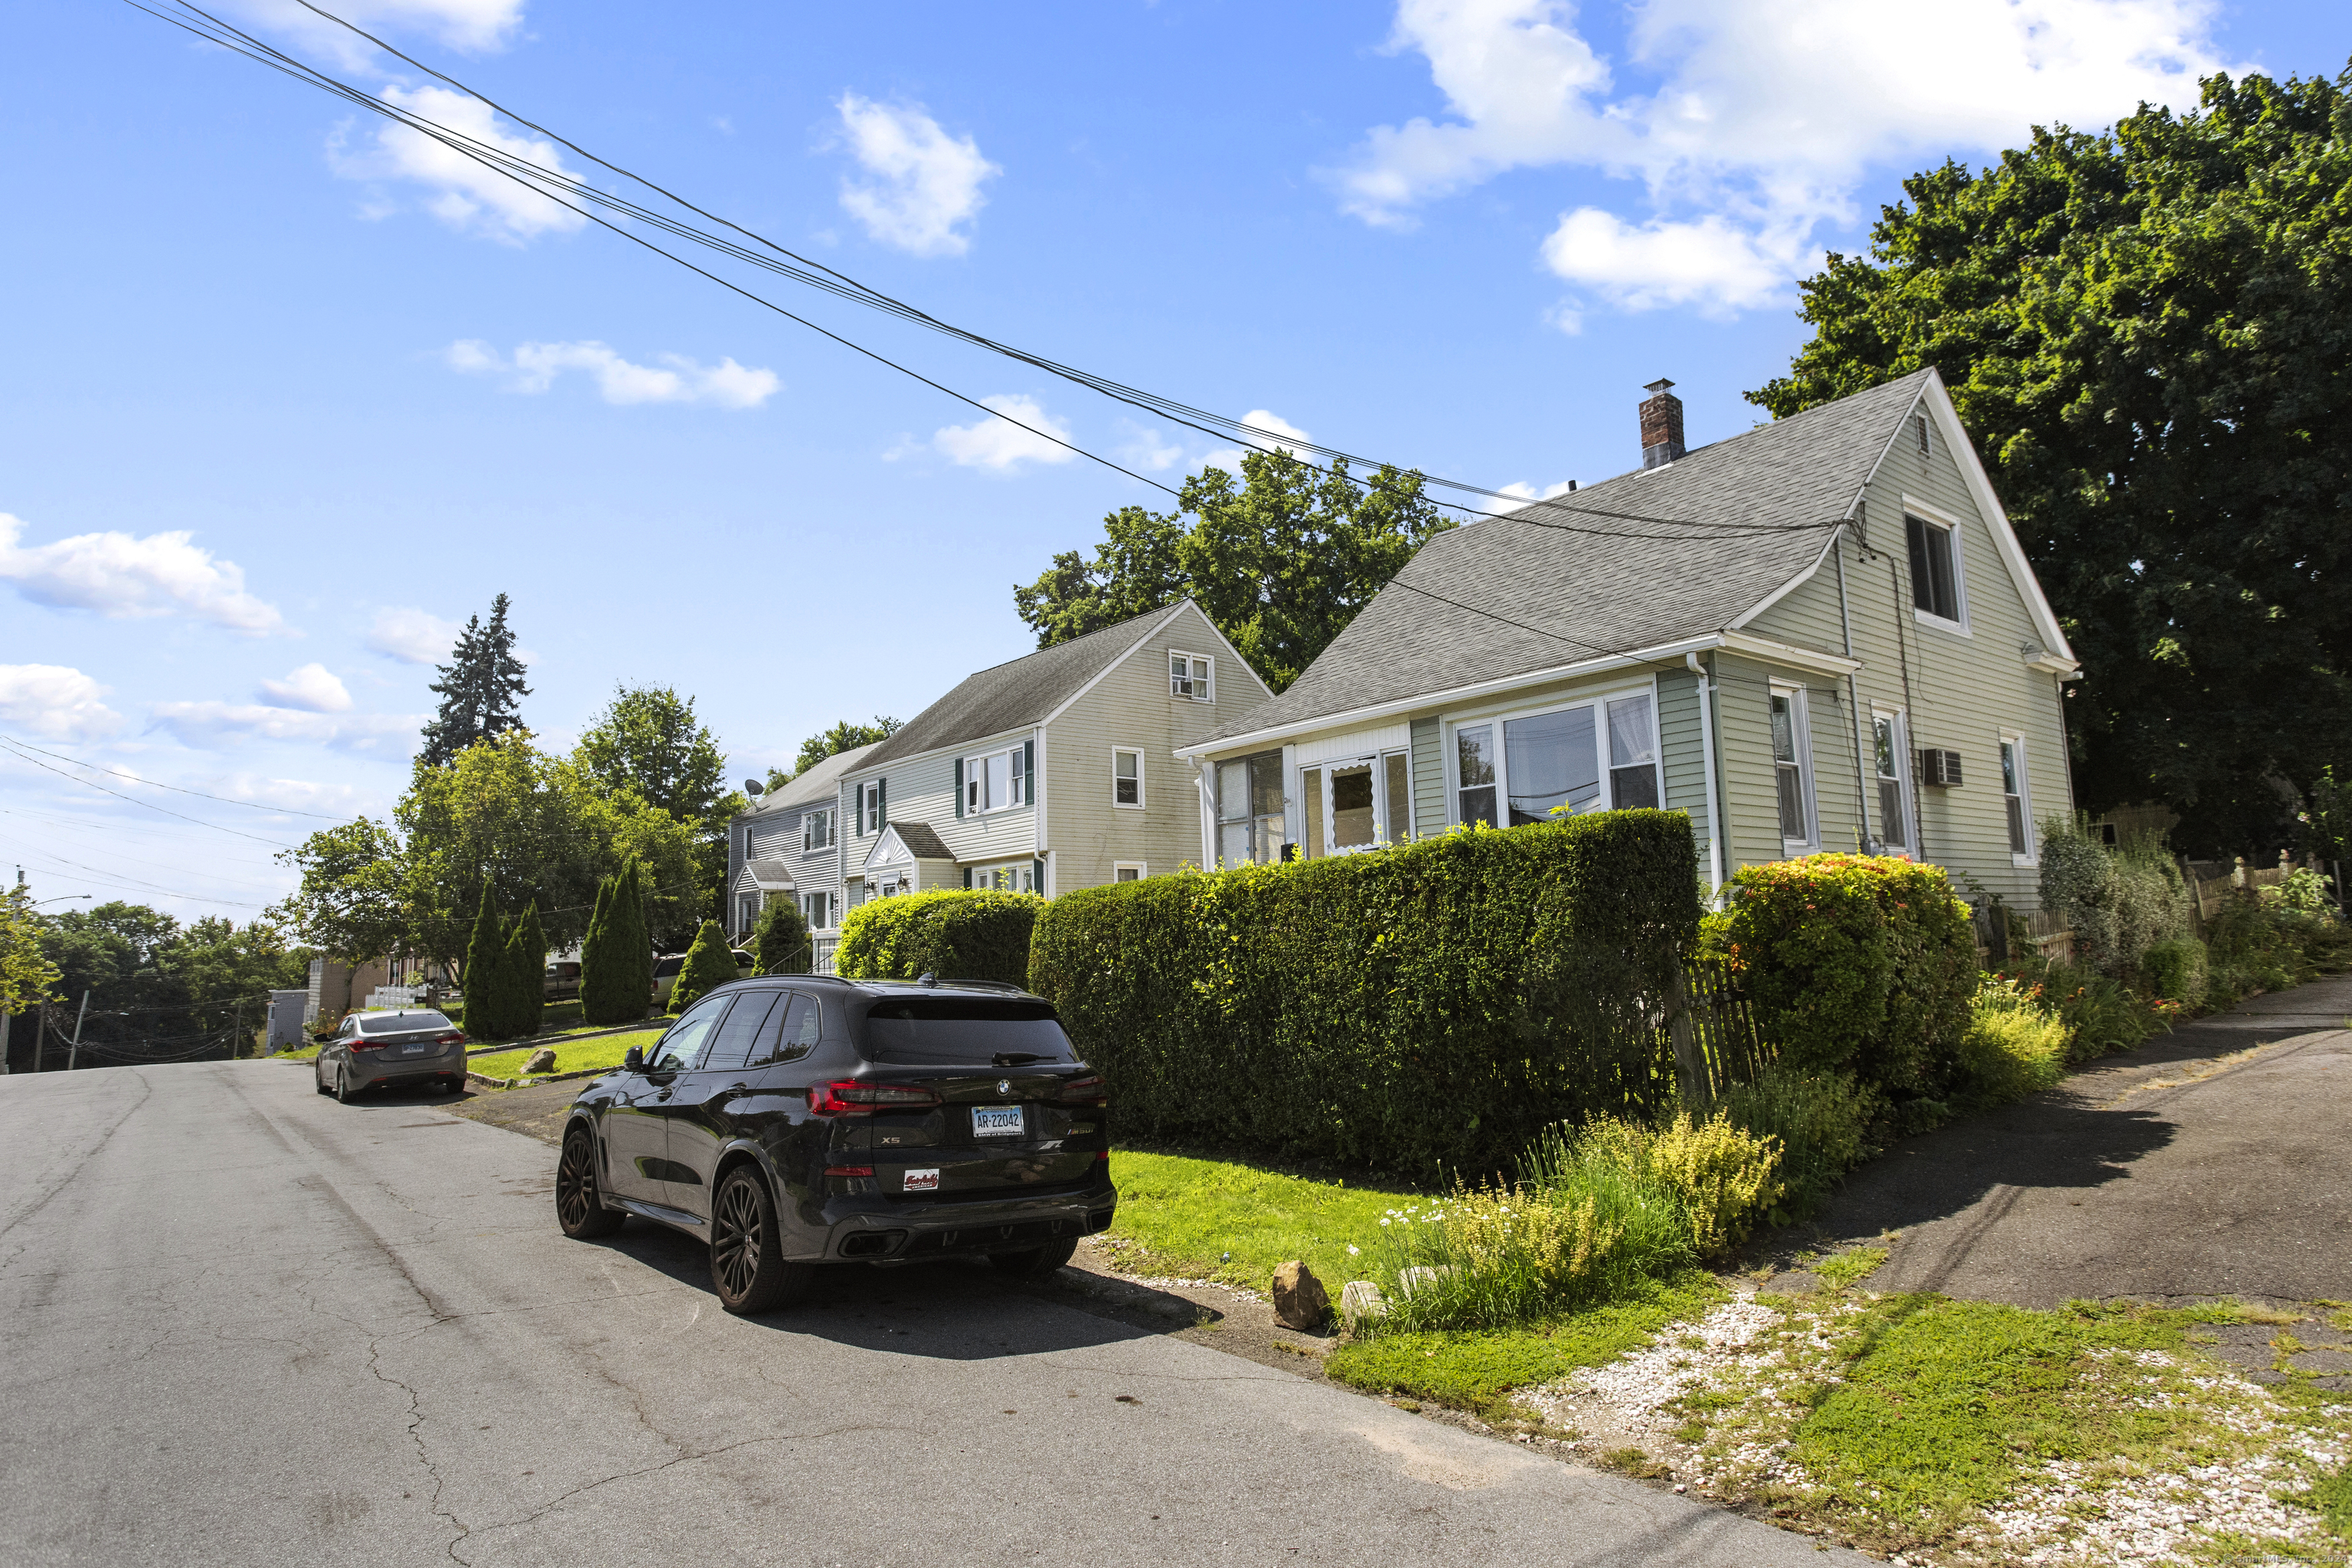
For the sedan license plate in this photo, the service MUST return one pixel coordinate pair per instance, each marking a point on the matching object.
(412, 1048)
(998, 1121)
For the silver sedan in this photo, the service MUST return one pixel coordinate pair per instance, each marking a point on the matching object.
(406, 1045)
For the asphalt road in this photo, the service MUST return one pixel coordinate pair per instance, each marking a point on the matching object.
(2214, 1160)
(244, 1324)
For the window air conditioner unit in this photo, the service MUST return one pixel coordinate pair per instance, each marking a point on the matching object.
(1941, 769)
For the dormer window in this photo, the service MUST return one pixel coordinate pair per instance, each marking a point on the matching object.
(1189, 676)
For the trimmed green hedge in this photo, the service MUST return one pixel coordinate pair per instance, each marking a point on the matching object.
(1858, 964)
(953, 935)
(1422, 1010)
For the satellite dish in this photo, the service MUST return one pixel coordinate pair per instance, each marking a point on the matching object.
(753, 786)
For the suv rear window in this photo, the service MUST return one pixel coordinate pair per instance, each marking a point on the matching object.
(963, 1030)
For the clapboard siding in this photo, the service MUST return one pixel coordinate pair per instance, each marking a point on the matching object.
(1681, 753)
(1428, 775)
(1131, 705)
(1962, 692)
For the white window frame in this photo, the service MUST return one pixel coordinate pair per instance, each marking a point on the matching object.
(975, 781)
(1801, 723)
(816, 830)
(1598, 701)
(1950, 527)
(1140, 868)
(2015, 745)
(1116, 753)
(1904, 792)
(1188, 685)
(1022, 875)
(869, 807)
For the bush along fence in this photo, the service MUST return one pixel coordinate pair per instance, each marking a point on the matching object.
(1422, 1010)
(952, 934)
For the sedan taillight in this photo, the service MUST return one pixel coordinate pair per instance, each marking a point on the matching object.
(854, 1097)
(362, 1043)
(453, 1037)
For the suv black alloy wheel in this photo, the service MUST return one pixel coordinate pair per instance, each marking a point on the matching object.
(579, 1204)
(746, 1266)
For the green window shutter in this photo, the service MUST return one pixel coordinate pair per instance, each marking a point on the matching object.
(881, 804)
(967, 876)
(958, 788)
(1037, 877)
(1029, 772)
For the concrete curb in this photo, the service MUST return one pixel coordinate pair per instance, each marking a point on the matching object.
(472, 1077)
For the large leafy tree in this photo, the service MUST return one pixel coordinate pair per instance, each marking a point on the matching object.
(352, 902)
(1280, 563)
(844, 736)
(648, 743)
(152, 982)
(480, 689)
(28, 977)
(2146, 333)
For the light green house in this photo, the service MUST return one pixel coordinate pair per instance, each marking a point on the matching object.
(1819, 635)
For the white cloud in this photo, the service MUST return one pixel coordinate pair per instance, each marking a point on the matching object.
(1765, 116)
(926, 182)
(1000, 444)
(1709, 263)
(215, 725)
(313, 688)
(535, 367)
(55, 702)
(474, 26)
(122, 577)
(294, 795)
(412, 636)
(1266, 423)
(470, 197)
(1145, 450)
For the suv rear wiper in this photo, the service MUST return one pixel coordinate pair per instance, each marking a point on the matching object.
(1014, 1059)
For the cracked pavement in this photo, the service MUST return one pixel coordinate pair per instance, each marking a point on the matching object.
(247, 1325)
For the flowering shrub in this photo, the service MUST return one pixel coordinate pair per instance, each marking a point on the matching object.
(2014, 1045)
(1857, 963)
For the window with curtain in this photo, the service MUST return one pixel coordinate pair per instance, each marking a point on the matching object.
(1633, 753)
(1788, 766)
(1474, 774)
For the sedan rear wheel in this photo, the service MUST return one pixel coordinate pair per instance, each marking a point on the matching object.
(1037, 1262)
(747, 1264)
(579, 1201)
(318, 1080)
(344, 1093)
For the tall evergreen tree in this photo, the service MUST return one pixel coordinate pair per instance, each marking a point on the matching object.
(526, 964)
(710, 963)
(481, 688)
(595, 966)
(616, 967)
(484, 976)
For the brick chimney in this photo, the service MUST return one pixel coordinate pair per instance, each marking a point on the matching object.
(1661, 426)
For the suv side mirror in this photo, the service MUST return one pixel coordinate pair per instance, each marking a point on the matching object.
(635, 1060)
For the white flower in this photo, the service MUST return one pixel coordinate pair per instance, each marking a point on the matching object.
(1354, 1251)
(1384, 1222)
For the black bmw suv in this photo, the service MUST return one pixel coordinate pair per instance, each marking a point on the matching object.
(794, 1121)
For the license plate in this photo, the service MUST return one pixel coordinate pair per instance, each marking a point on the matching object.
(922, 1181)
(415, 1048)
(998, 1121)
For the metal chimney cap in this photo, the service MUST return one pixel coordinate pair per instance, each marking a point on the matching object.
(1658, 385)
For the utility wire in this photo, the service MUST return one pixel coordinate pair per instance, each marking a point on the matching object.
(148, 804)
(151, 784)
(547, 183)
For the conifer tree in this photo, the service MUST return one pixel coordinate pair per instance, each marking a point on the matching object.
(710, 963)
(616, 974)
(591, 947)
(484, 974)
(479, 688)
(526, 964)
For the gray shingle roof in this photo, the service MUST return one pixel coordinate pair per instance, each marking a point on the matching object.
(1595, 595)
(1017, 693)
(770, 873)
(819, 783)
(922, 842)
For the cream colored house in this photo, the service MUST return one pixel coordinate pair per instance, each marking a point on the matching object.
(1822, 633)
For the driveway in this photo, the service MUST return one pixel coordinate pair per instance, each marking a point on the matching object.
(2215, 1161)
(244, 1324)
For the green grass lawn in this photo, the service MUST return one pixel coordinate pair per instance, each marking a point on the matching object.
(1476, 1371)
(1224, 1219)
(604, 1051)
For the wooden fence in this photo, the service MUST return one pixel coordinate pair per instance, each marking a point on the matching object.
(1712, 1033)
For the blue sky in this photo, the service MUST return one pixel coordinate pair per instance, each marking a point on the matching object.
(288, 398)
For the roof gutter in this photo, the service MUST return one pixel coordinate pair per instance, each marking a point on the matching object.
(1764, 648)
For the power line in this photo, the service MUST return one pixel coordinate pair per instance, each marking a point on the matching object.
(147, 804)
(547, 183)
(151, 784)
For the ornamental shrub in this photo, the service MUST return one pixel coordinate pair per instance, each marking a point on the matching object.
(951, 934)
(526, 977)
(1822, 1120)
(1719, 1175)
(489, 989)
(2175, 970)
(1420, 1010)
(2014, 1045)
(1858, 964)
(779, 939)
(710, 963)
(616, 961)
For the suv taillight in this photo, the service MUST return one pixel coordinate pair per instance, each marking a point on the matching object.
(854, 1097)
(1085, 1092)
